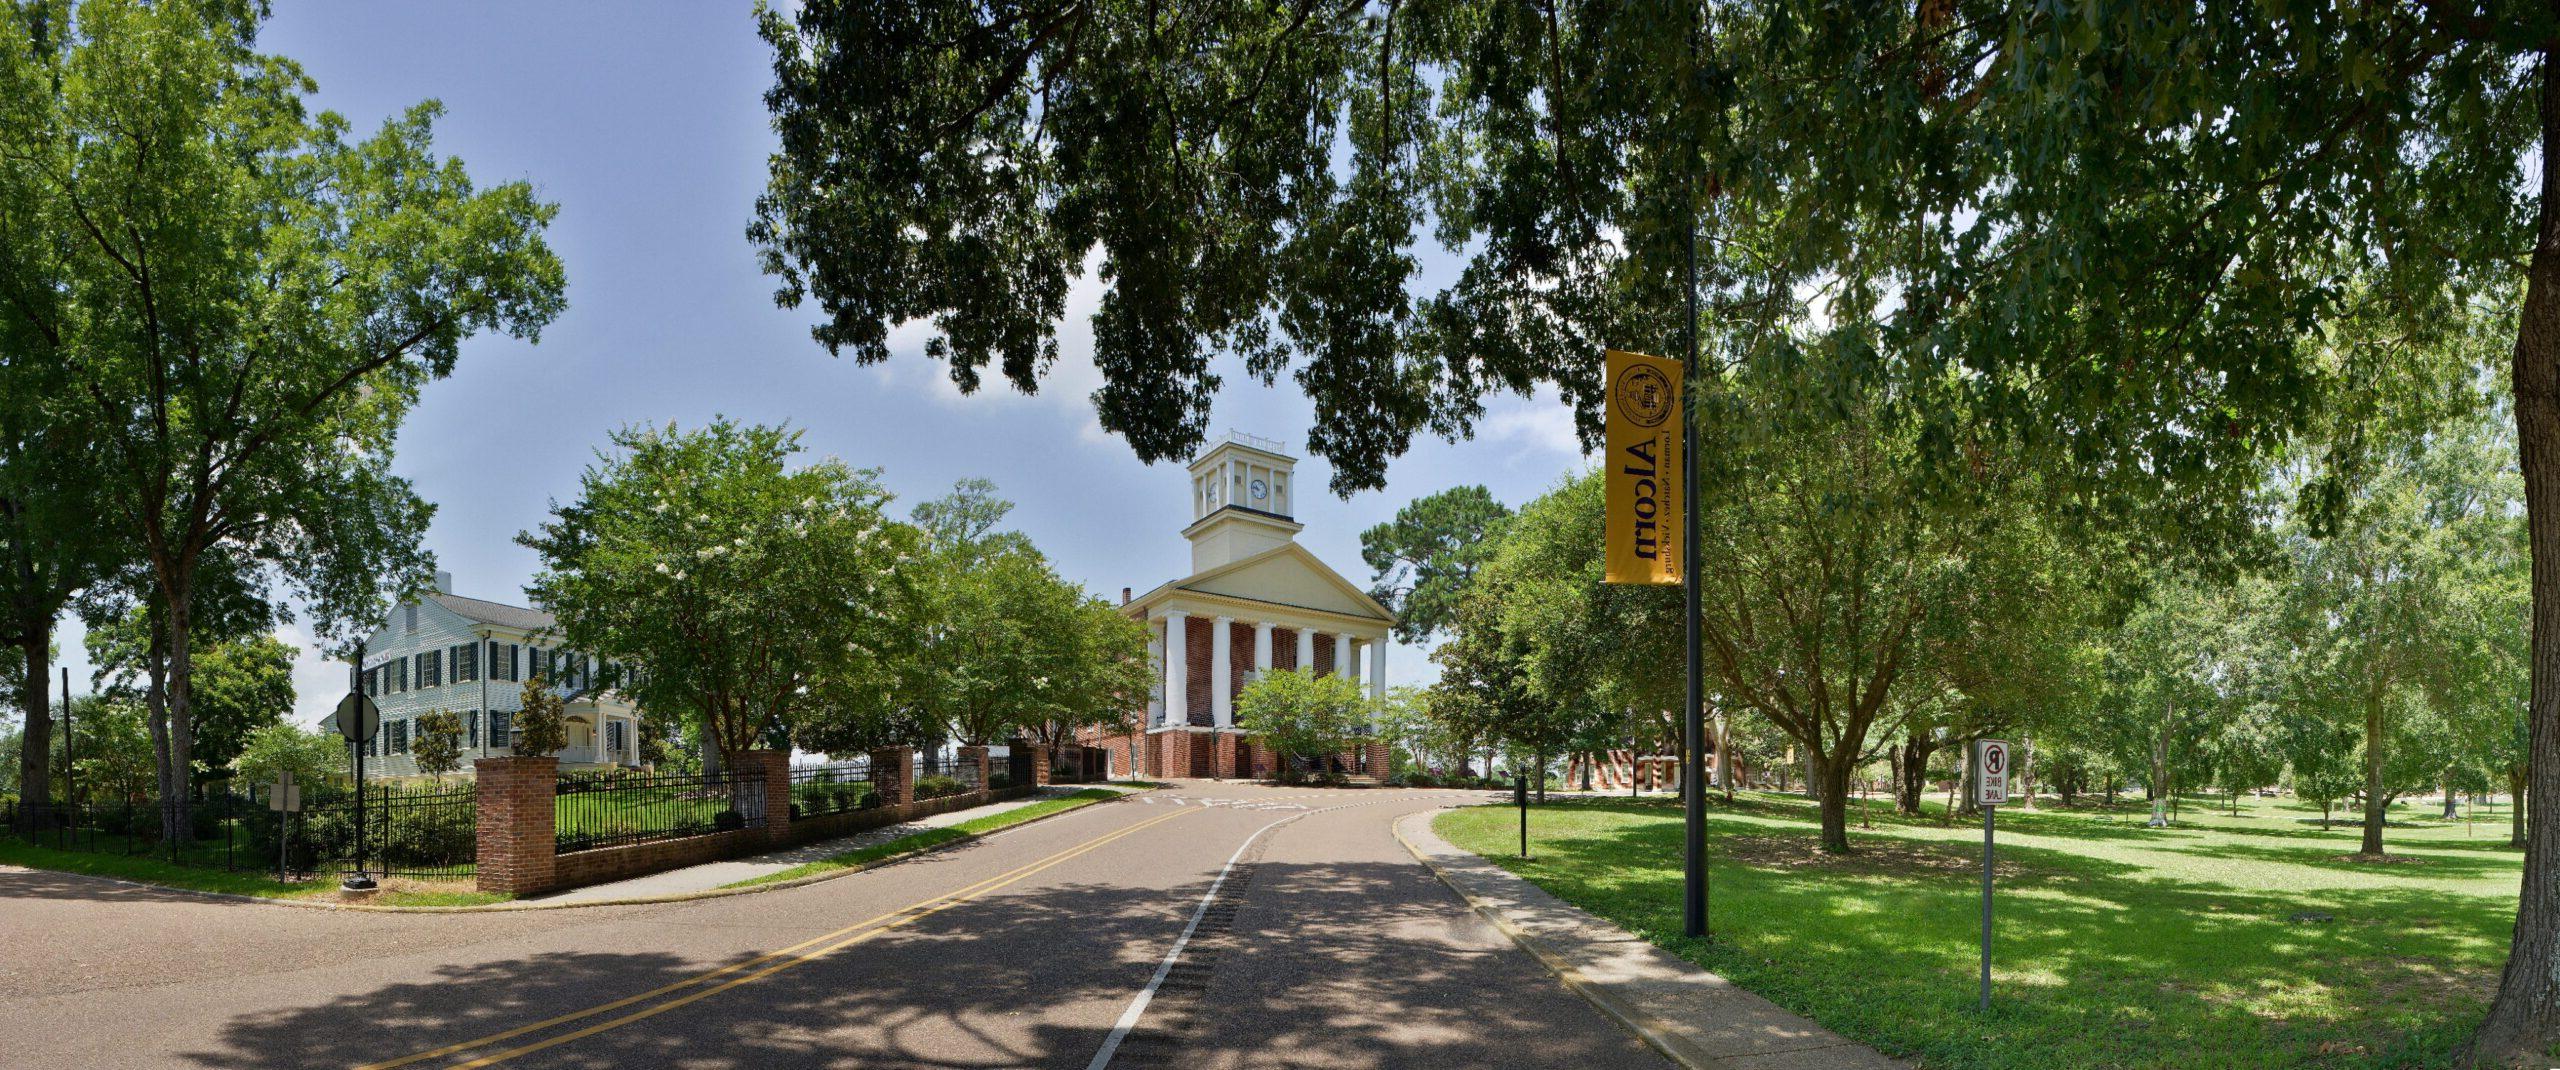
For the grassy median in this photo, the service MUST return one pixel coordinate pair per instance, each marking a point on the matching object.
(144, 869)
(2243, 941)
(936, 837)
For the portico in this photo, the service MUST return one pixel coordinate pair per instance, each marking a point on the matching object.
(1255, 602)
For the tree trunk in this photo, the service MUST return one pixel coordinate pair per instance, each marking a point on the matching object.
(1833, 794)
(176, 804)
(35, 757)
(2026, 774)
(2524, 1020)
(2159, 786)
(1540, 771)
(2448, 794)
(1915, 774)
(2515, 805)
(2374, 802)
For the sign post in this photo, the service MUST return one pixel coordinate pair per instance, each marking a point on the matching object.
(1990, 791)
(1651, 530)
(1520, 798)
(285, 798)
(357, 721)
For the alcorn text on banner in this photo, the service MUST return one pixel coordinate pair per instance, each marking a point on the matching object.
(1644, 414)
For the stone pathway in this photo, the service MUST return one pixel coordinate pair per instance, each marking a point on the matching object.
(1700, 1020)
(710, 875)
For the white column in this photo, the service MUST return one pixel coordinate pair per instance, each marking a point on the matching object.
(1155, 692)
(1262, 646)
(1222, 678)
(1342, 663)
(1378, 668)
(1177, 670)
(1307, 651)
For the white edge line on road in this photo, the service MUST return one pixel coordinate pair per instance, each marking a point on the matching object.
(1138, 1007)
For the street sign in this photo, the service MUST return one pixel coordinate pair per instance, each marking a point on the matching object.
(1990, 772)
(358, 718)
(1990, 790)
(284, 796)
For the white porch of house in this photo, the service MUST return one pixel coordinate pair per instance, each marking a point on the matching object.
(598, 737)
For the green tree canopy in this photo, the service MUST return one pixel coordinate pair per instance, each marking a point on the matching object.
(1424, 558)
(740, 582)
(1300, 714)
(242, 303)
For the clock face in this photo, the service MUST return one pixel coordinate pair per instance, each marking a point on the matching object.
(1260, 490)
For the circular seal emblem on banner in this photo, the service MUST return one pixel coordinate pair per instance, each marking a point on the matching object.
(1644, 396)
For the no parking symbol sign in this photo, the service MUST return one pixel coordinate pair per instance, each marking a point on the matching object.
(1990, 772)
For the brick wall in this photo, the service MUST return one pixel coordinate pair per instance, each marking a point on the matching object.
(1239, 659)
(517, 829)
(1227, 766)
(830, 826)
(1284, 648)
(1196, 632)
(893, 774)
(605, 864)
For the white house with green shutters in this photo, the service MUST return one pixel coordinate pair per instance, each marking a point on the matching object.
(471, 657)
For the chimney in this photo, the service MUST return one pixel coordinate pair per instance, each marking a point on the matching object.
(1124, 596)
(444, 582)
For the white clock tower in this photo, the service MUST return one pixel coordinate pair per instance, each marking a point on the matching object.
(1240, 494)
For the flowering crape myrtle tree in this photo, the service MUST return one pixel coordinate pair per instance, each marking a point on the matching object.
(739, 584)
(1301, 715)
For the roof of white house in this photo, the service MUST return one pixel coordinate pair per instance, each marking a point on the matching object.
(483, 611)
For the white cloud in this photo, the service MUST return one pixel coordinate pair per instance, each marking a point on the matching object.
(1066, 387)
(1538, 427)
(318, 680)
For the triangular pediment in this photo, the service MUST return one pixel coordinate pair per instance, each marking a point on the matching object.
(1288, 575)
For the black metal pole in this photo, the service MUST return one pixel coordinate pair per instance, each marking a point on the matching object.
(1693, 762)
(70, 782)
(1987, 811)
(1520, 795)
(355, 688)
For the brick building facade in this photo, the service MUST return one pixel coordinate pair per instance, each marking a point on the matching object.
(1254, 600)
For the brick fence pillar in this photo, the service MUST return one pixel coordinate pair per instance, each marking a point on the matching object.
(774, 768)
(975, 757)
(1381, 762)
(893, 774)
(1039, 761)
(518, 838)
(1226, 760)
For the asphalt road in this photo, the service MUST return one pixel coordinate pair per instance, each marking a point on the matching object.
(1326, 945)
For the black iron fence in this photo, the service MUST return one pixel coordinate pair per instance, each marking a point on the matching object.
(948, 776)
(832, 788)
(424, 832)
(616, 809)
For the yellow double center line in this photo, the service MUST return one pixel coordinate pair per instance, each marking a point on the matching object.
(772, 962)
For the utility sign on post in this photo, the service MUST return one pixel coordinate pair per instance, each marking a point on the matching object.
(284, 796)
(1990, 791)
(1991, 772)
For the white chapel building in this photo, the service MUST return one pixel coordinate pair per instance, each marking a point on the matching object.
(1254, 600)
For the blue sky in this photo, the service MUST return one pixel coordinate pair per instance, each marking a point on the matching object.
(645, 123)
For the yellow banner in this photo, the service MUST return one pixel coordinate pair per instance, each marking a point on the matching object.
(1644, 413)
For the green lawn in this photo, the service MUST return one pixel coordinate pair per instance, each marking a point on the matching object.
(2116, 945)
(931, 838)
(147, 869)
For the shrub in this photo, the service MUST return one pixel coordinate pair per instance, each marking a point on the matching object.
(999, 781)
(935, 787)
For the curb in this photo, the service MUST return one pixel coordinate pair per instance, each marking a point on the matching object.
(1680, 1022)
(524, 905)
(1652, 1031)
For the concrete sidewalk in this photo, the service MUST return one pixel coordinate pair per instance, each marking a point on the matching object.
(1698, 1019)
(710, 875)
